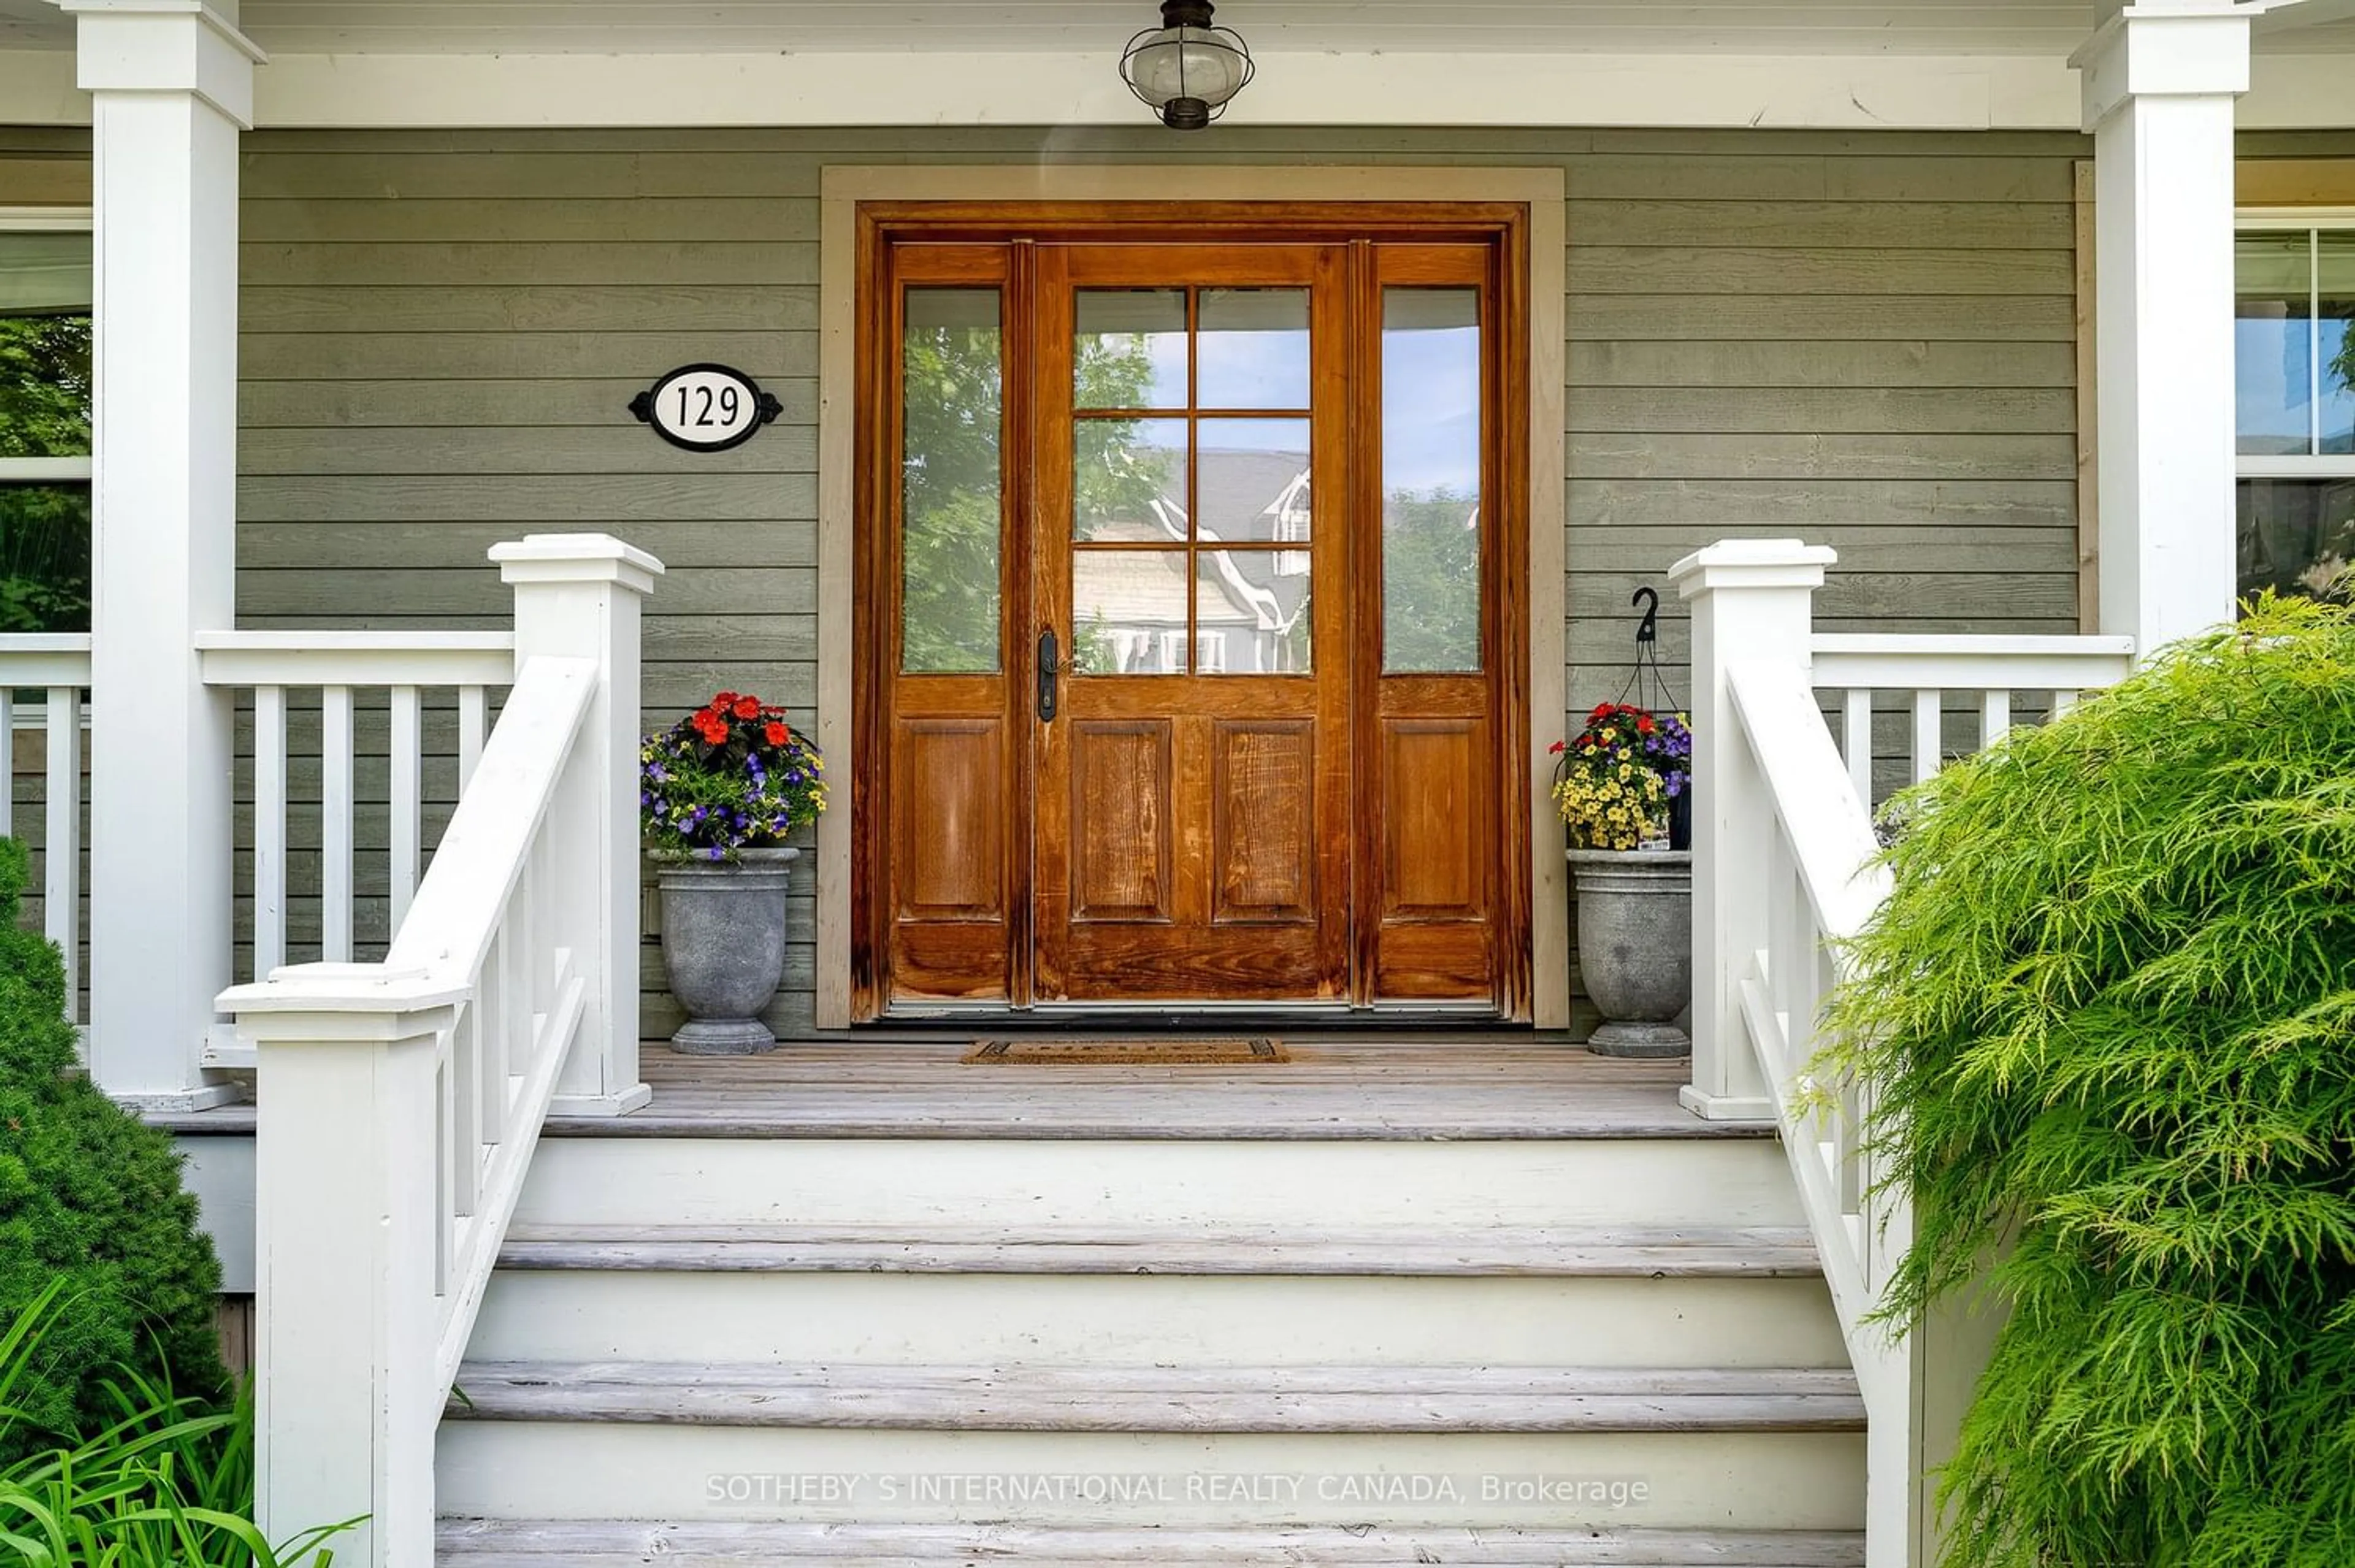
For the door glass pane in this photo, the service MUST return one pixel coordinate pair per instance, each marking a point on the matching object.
(2297, 536)
(2271, 343)
(1252, 480)
(1128, 611)
(1430, 480)
(1253, 349)
(950, 482)
(1128, 349)
(1128, 480)
(2338, 348)
(1251, 615)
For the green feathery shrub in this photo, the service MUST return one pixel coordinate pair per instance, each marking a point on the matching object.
(2110, 1008)
(91, 1196)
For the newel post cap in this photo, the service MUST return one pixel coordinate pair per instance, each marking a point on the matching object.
(576, 558)
(1751, 563)
(343, 1002)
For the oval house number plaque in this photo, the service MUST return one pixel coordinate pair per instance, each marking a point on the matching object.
(706, 408)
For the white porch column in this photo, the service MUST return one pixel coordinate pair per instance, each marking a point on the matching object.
(172, 84)
(577, 596)
(2160, 79)
(1753, 601)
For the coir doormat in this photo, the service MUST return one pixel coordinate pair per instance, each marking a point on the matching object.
(1066, 1052)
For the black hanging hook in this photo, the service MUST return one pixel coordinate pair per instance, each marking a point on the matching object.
(1648, 629)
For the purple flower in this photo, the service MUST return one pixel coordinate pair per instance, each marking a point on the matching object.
(718, 853)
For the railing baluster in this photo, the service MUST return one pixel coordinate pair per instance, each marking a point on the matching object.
(269, 829)
(8, 773)
(447, 1152)
(1995, 716)
(495, 995)
(474, 709)
(1856, 742)
(336, 823)
(466, 1106)
(1928, 744)
(407, 762)
(540, 889)
(523, 973)
(62, 884)
(2062, 701)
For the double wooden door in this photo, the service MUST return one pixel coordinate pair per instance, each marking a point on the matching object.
(1181, 598)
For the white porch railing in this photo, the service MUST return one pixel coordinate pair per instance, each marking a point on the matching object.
(1784, 873)
(344, 669)
(55, 664)
(399, 1101)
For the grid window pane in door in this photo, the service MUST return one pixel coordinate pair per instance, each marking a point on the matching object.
(1430, 480)
(1129, 349)
(2297, 536)
(951, 474)
(1252, 348)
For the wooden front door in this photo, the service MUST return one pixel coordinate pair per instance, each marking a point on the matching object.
(1184, 592)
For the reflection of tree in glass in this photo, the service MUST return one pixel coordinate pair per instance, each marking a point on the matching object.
(950, 518)
(1431, 581)
(44, 392)
(949, 497)
(1113, 478)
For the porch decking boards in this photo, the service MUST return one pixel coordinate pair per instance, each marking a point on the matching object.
(1468, 1089)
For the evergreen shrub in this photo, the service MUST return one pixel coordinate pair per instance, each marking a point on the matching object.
(2110, 1012)
(91, 1196)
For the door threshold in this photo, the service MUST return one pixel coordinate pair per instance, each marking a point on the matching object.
(1061, 1017)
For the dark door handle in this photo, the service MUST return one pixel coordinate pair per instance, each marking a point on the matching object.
(1048, 652)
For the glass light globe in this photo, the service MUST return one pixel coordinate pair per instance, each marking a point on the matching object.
(1186, 69)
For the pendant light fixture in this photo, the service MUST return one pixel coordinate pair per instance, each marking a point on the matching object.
(1186, 69)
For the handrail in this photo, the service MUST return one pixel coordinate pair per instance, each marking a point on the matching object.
(356, 658)
(399, 1103)
(1785, 874)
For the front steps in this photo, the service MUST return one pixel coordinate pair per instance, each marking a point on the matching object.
(1347, 1347)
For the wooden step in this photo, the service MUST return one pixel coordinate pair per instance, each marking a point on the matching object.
(622, 1543)
(1248, 1399)
(1544, 1252)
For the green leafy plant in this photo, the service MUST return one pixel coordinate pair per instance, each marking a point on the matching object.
(1612, 781)
(2109, 1015)
(89, 1194)
(165, 1479)
(730, 775)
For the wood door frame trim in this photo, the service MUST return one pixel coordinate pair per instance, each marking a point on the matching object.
(845, 188)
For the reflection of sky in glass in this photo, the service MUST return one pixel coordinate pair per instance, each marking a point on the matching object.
(1431, 409)
(1253, 352)
(2271, 377)
(1111, 320)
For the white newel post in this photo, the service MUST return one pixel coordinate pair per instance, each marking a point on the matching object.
(2160, 79)
(347, 1218)
(171, 86)
(578, 595)
(1751, 601)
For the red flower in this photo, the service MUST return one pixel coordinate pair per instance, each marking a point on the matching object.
(725, 699)
(775, 733)
(1600, 710)
(1557, 749)
(1643, 723)
(747, 708)
(713, 729)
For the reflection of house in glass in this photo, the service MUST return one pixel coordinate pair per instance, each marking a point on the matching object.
(1250, 606)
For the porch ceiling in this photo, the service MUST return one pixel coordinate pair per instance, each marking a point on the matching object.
(1768, 27)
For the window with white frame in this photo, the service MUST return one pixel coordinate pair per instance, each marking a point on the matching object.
(45, 420)
(2294, 396)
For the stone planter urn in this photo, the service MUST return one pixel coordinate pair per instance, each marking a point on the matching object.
(1635, 946)
(723, 943)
